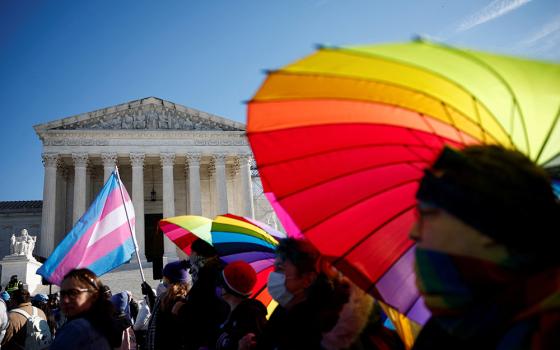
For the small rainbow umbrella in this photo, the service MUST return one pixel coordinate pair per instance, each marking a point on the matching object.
(341, 139)
(235, 238)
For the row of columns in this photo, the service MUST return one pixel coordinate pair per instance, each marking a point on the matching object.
(217, 168)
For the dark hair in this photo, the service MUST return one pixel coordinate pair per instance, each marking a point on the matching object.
(100, 314)
(302, 254)
(202, 248)
(327, 294)
(498, 191)
(21, 295)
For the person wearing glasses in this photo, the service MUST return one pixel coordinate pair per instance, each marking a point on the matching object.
(487, 262)
(89, 314)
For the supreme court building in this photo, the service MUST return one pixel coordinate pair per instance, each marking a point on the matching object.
(173, 160)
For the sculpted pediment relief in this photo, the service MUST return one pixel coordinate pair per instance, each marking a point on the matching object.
(151, 117)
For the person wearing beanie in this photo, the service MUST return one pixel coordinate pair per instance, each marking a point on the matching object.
(164, 331)
(247, 315)
(486, 264)
(201, 313)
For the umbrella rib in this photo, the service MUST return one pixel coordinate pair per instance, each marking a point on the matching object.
(310, 155)
(439, 138)
(389, 83)
(347, 174)
(341, 210)
(549, 134)
(367, 236)
(479, 121)
(350, 51)
(460, 136)
(500, 78)
(374, 285)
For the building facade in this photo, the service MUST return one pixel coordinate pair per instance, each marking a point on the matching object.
(172, 159)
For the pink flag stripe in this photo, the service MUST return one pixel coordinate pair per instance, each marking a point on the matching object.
(106, 244)
(82, 243)
(110, 221)
(113, 201)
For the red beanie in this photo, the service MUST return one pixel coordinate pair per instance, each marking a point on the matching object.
(239, 277)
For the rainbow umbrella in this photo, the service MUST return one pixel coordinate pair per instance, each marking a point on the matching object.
(235, 238)
(183, 230)
(341, 138)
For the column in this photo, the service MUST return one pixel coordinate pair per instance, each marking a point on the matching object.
(137, 161)
(246, 185)
(219, 163)
(109, 163)
(167, 161)
(60, 218)
(46, 243)
(193, 183)
(80, 165)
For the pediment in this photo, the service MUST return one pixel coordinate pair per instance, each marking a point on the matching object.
(146, 114)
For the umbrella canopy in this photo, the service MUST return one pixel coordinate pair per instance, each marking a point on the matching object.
(341, 138)
(183, 230)
(235, 238)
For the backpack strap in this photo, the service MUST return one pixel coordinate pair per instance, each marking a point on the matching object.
(22, 312)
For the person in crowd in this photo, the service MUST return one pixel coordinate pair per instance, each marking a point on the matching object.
(56, 316)
(309, 299)
(201, 313)
(246, 315)
(16, 332)
(12, 284)
(122, 302)
(41, 301)
(486, 260)
(3, 318)
(89, 314)
(141, 322)
(163, 329)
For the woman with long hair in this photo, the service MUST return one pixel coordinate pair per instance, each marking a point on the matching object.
(163, 330)
(89, 314)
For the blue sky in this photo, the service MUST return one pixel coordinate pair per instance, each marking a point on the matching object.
(65, 57)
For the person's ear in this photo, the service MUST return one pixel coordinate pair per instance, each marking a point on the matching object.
(309, 278)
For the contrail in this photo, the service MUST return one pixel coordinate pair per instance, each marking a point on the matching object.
(547, 30)
(495, 9)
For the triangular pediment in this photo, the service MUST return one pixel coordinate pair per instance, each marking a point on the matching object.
(145, 114)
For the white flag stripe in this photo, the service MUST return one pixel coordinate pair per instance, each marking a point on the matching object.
(111, 222)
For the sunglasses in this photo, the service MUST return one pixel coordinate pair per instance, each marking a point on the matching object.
(73, 293)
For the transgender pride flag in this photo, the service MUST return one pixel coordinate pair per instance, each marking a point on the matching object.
(100, 240)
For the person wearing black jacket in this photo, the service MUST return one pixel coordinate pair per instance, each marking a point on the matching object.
(201, 313)
(236, 284)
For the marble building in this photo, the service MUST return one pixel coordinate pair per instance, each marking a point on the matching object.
(173, 160)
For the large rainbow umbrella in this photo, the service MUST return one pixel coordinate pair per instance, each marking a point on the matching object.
(235, 238)
(341, 138)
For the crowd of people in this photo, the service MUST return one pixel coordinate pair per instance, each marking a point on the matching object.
(485, 265)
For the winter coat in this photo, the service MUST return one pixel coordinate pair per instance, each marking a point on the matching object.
(79, 334)
(17, 327)
(3, 319)
(248, 317)
(203, 312)
(537, 332)
(163, 329)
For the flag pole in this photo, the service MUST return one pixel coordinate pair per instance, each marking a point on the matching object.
(129, 225)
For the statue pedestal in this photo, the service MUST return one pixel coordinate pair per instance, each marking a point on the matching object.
(24, 268)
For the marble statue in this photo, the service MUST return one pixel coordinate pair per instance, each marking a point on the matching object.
(23, 245)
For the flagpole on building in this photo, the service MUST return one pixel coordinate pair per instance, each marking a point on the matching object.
(130, 225)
